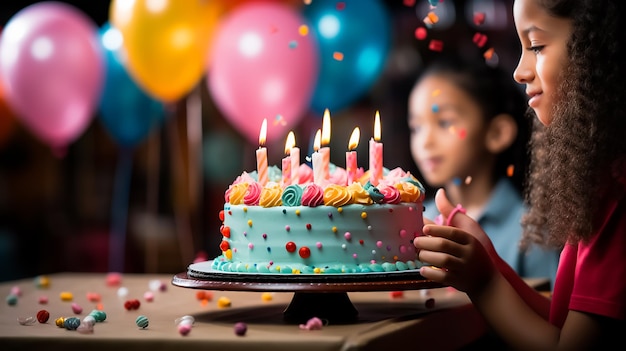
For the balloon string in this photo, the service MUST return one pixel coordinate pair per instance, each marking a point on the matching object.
(119, 211)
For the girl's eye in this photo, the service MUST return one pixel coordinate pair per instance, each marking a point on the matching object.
(444, 124)
(536, 49)
(414, 129)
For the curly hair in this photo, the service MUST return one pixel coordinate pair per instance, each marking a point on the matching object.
(571, 157)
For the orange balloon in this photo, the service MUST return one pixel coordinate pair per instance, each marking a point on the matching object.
(166, 42)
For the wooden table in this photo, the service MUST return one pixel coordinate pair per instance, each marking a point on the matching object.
(385, 320)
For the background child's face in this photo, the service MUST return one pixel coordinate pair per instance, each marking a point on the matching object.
(447, 131)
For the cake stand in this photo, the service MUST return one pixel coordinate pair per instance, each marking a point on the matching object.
(315, 295)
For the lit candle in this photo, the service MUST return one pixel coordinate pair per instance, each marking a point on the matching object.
(316, 160)
(294, 154)
(261, 155)
(351, 163)
(286, 162)
(376, 153)
(325, 140)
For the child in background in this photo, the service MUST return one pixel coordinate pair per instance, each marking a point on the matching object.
(572, 65)
(469, 135)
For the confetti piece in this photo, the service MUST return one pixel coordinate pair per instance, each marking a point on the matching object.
(293, 44)
(488, 54)
(479, 39)
(456, 181)
(436, 92)
(510, 170)
(433, 17)
(421, 33)
(340, 5)
(338, 56)
(435, 108)
(462, 133)
(435, 45)
(479, 18)
(409, 3)
(433, 3)
(303, 30)
(468, 180)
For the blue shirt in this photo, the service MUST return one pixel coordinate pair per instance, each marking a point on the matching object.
(501, 221)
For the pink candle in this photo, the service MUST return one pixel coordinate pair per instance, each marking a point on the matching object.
(261, 155)
(325, 140)
(316, 160)
(376, 153)
(351, 159)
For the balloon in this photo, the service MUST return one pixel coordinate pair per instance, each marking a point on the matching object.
(167, 42)
(52, 69)
(263, 68)
(353, 45)
(126, 111)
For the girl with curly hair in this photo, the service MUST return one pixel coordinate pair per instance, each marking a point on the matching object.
(572, 64)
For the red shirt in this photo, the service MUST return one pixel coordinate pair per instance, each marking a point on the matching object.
(591, 276)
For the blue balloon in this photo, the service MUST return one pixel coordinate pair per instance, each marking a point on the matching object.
(360, 31)
(127, 112)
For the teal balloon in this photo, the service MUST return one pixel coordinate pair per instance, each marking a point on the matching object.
(127, 112)
(360, 30)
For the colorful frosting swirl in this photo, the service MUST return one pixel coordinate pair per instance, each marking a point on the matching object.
(292, 195)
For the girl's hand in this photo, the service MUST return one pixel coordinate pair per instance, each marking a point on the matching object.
(459, 254)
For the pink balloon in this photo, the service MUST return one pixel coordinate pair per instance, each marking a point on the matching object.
(52, 69)
(262, 67)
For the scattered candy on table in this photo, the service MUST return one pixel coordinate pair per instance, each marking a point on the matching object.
(122, 292)
(184, 329)
(267, 296)
(11, 300)
(240, 329)
(132, 304)
(204, 295)
(157, 285)
(66, 296)
(59, 322)
(142, 321)
(43, 299)
(89, 320)
(26, 320)
(114, 279)
(43, 316)
(42, 282)
(312, 324)
(71, 323)
(98, 315)
(223, 301)
(76, 308)
(15, 290)
(396, 294)
(148, 296)
(93, 297)
(184, 324)
(430, 303)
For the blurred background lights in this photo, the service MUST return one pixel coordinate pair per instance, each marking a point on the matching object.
(156, 6)
(328, 26)
(112, 39)
(250, 44)
(123, 10)
(368, 60)
(42, 48)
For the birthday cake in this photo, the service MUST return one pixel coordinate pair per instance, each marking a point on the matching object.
(329, 228)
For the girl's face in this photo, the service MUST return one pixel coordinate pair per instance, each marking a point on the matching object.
(447, 131)
(544, 53)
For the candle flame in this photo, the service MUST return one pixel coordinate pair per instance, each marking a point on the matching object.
(263, 133)
(325, 128)
(354, 138)
(291, 142)
(317, 140)
(377, 127)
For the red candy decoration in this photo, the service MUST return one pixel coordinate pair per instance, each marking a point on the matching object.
(224, 245)
(304, 252)
(290, 246)
(479, 18)
(225, 231)
(308, 226)
(43, 316)
(222, 215)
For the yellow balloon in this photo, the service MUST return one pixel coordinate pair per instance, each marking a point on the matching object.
(167, 42)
